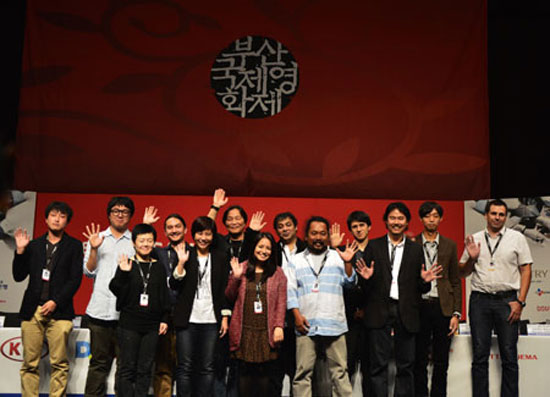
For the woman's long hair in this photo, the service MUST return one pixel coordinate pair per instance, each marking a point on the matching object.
(269, 266)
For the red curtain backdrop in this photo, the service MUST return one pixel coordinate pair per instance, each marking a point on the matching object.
(391, 102)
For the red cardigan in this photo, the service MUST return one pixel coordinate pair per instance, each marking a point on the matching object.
(276, 306)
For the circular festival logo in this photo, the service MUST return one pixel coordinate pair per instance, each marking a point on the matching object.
(255, 77)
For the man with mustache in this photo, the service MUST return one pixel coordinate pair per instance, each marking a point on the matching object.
(316, 278)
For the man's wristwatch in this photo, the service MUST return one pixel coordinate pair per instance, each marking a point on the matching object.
(522, 303)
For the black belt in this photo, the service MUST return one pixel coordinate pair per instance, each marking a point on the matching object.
(430, 299)
(497, 295)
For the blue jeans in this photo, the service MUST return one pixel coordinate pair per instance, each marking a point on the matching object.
(488, 312)
(195, 347)
(137, 353)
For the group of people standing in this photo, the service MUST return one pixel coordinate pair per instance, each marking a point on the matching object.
(232, 315)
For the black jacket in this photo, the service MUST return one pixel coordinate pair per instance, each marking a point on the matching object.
(377, 288)
(65, 275)
(187, 287)
(128, 286)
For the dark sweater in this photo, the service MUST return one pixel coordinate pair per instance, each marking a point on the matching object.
(128, 286)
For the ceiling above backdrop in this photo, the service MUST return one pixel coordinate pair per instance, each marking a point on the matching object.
(269, 98)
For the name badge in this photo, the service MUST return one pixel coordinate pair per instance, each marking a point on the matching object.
(258, 307)
(144, 300)
(315, 287)
(45, 275)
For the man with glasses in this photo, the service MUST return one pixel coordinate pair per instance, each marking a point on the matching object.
(100, 263)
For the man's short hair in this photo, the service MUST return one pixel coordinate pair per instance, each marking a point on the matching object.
(177, 216)
(143, 228)
(316, 218)
(235, 207)
(399, 206)
(203, 223)
(495, 202)
(60, 206)
(283, 216)
(358, 216)
(428, 206)
(122, 201)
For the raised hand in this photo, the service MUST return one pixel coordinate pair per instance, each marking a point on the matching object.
(150, 215)
(348, 254)
(237, 268)
(257, 221)
(22, 239)
(219, 199)
(363, 270)
(336, 237)
(163, 327)
(124, 263)
(183, 254)
(92, 234)
(429, 275)
(472, 248)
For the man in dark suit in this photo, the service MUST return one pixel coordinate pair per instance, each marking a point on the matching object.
(53, 263)
(393, 283)
(439, 308)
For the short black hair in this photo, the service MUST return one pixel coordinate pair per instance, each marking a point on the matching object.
(358, 216)
(123, 201)
(143, 228)
(178, 217)
(203, 223)
(428, 206)
(282, 216)
(317, 218)
(60, 206)
(495, 202)
(399, 206)
(235, 207)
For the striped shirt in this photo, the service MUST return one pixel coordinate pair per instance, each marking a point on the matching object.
(102, 305)
(324, 310)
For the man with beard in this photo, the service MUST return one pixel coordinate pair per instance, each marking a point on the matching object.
(316, 278)
(53, 263)
(175, 229)
(393, 285)
(440, 307)
(286, 226)
(499, 261)
(100, 263)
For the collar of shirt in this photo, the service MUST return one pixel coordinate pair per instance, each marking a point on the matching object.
(127, 234)
(500, 232)
(399, 245)
(436, 240)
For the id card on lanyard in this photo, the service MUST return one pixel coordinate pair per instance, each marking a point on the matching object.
(258, 309)
(317, 274)
(144, 297)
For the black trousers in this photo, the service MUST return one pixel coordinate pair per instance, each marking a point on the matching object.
(380, 345)
(432, 338)
(358, 353)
